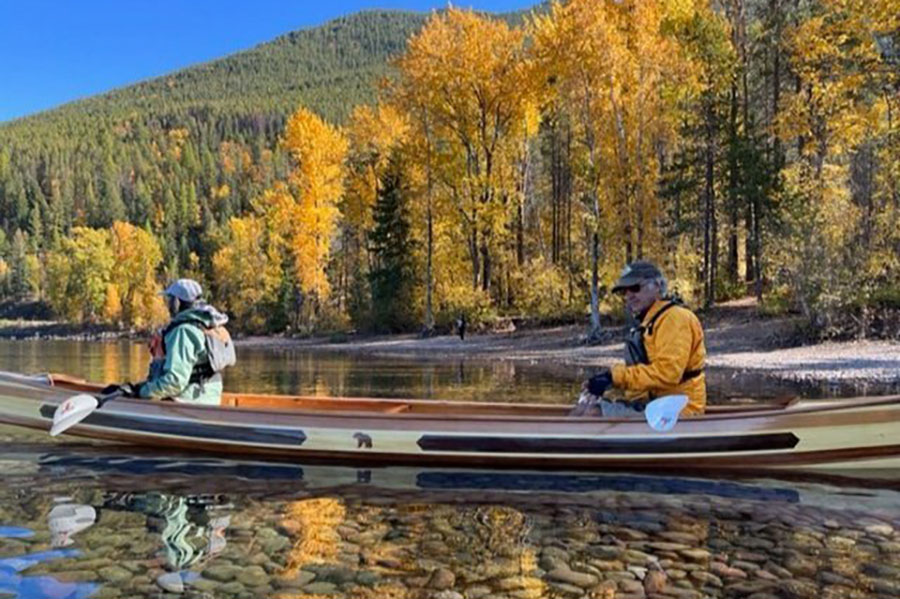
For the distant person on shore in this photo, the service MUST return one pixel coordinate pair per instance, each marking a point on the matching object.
(189, 354)
(461, 327)
(664, 353)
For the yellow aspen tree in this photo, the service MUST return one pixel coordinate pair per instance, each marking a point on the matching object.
(78, 274)
(316, 182)
(137, 257)
(461, 78)
(621, 76)
(840, 103)
(247, 271)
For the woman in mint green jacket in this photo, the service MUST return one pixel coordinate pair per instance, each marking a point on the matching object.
(190, 353)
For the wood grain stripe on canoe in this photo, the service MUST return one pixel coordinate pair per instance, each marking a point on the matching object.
(601, 445)
(186, 428)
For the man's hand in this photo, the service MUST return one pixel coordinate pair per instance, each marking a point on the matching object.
(586, 404)
(599, 383)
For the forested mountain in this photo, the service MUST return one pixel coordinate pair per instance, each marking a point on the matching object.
(195, 145)
(511, 166)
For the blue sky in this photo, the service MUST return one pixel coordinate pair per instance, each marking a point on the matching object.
(52, 52)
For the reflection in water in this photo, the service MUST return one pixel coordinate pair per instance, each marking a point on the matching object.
(68, 519)
(191, 527)
(313, 524)
(12, 584)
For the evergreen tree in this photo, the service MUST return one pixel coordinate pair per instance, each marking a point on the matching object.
(393, 274)
(18, 266)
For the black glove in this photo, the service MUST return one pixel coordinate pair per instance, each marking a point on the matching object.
(600, 382)
(123, 389)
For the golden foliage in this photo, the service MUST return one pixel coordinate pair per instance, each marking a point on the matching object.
(373, 133)
(247, 270)
(316, 185)
(78, 275)
(466, 81)
(542, 289)
(614, 67)
(137, 255)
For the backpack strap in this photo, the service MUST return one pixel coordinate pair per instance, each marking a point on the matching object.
(649, 326)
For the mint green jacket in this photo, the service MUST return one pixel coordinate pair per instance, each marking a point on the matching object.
(185, 347)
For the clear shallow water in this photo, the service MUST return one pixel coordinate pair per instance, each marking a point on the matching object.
(79, 523)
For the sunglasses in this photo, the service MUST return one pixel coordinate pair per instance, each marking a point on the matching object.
(631, 288)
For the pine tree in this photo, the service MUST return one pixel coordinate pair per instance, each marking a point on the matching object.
(393, 274)
(18, 266)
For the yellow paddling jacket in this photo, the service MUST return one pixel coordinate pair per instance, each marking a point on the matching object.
(665, 356)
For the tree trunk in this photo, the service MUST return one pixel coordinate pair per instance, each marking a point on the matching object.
(485, 264)
(595, 288)
(429, 224)
(732, 263)
(520, 232)
(710, 241)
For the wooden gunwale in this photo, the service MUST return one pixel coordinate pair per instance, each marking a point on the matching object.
(421, 409)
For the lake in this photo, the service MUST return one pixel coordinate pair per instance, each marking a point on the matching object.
(287, 371)
(94, 520)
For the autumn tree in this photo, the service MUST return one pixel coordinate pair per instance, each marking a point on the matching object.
(79, 273)
(465, 81)
(838, 114)
(301, 214)
(137, 256)
(248, 273)
(619, 72)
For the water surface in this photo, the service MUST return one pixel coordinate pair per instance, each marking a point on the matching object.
(333, 374)
(88, 523)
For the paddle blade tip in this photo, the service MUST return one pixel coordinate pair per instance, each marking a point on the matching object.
(662, 413)
(71, 412)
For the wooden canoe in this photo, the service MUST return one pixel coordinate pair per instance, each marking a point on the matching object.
(851, 433)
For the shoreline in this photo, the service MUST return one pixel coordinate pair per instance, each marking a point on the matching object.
(738, 339)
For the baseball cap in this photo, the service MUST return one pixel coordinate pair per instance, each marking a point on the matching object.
(636, 273)
(187, 290)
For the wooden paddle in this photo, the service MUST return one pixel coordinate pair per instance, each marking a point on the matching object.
(77, 408)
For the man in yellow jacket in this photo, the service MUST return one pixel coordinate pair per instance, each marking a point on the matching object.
(664, 353)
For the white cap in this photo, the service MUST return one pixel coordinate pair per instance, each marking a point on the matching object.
(187, 290)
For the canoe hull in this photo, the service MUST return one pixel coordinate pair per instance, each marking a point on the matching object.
(846, 434)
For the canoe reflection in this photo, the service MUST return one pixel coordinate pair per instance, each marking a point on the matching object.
(269, 475)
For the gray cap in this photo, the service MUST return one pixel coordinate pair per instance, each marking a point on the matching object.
(636, 273)
(187, 290)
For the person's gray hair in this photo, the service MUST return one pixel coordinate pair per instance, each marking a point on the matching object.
(662, 285)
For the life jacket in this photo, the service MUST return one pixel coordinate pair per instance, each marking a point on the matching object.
(220, 352)
(636, 350)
